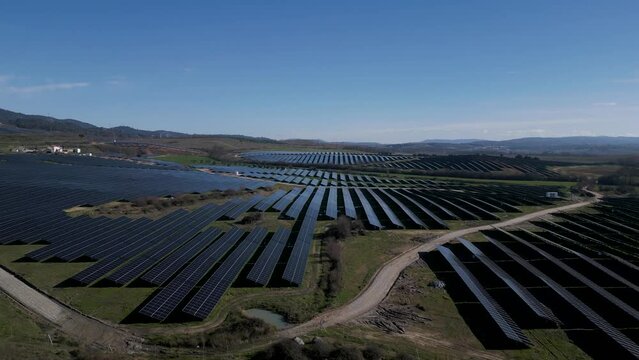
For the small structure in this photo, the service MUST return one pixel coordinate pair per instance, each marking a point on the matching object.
(56, 149)
(552, 195)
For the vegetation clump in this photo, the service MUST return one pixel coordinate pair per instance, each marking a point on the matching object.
(236, 330)
(320, 350)
(251, 218)
(333, 237)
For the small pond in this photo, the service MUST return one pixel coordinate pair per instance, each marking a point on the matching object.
(268, 317)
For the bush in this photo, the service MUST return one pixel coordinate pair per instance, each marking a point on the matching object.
(251, 218)
(236, 330)
(347, 353)
(344, 228)
(372, 352)
(333, 279)
(319, 350)
(284, 350)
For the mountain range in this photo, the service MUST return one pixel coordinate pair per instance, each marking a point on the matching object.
(18, 123)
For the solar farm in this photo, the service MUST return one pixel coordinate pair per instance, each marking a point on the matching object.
(574, 271)
(423, 164)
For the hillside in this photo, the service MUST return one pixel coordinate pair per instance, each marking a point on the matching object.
(14, 122)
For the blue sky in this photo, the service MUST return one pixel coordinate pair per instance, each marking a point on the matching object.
(387, 71)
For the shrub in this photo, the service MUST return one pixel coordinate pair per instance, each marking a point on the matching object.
(251, 218)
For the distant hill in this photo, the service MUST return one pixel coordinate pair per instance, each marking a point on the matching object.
(578, 145)
(18, 123)
(14, 122)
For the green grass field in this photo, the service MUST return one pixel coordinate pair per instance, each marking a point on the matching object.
(23, 337)
(112, 304)
(187, 159)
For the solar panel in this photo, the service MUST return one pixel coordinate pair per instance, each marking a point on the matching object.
(162, 271)
(405, 208)
(265, 264)
(69, 252)
(437, 205)
(432, 215)
(243, 207)
(591, 284)
(267, 202)
(349, 207)
(294, 211)
(205, 300)
(296, 265)
(331, 205)
(164, 302)
(115, 258)
(138, 265)
(287, 199)
(53, 249)
(535, 305)
(368, 209)
(583, 246)
(584, 309)
(503, 320)
(588, 259)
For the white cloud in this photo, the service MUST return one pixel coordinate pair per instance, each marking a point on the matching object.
(605, 104)
(5, 78)
(31, 89)
(116, 81)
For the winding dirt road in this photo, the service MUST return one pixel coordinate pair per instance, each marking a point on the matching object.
(110, 336)
(385, 277)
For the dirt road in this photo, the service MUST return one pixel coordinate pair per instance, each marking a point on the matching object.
(385, 277)
(87, 330)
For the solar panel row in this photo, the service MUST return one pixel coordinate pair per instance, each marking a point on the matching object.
(205, 300)
(266, 203)
(166, 301)
(296, 265)
(117, 254)
(535, 305)
(186, 231)
(616, 335)
(331, 206)
(371, 217)
(510, 329)
(349, 207)
(431, 215)
(294, 211)
(283, 203)
(243, 207)
(585, 280)
(588, 259)
(263, 268)
(162, 271)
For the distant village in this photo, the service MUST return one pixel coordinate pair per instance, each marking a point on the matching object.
(52, 149)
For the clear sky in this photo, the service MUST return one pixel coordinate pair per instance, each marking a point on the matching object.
(387, 71)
